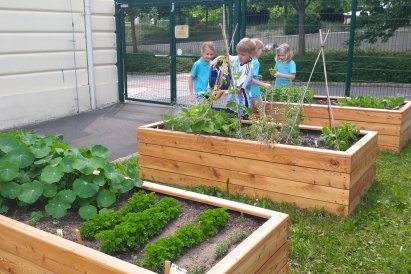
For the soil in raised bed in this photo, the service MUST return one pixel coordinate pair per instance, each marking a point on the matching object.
(201, 256)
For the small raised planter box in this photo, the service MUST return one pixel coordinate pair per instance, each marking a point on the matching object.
(308, 177)
(393, 126)
(24, 249)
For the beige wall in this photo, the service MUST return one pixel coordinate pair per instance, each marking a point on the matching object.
(43, 74)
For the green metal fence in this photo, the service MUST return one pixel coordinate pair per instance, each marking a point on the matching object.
(159, 40)
(354, 66)
(154, 64)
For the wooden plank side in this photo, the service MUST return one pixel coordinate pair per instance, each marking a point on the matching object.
(254, 251)
(283, 154)
(316, 192)
(382, 116)
(361, 187)
(387, 129)
(211, 200)
(390, 141)
(405, 138)
(364, 158)
(251, 166)
(276, 262)
(9, 263)
(184, 180)
(56, 254)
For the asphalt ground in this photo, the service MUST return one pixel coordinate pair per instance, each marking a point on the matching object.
(114, 127)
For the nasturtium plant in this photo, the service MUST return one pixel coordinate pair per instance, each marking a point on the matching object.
(87, 212)
(35, 168)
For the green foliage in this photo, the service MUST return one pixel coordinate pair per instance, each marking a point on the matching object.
(137, 228)
(35, 217)
(369, 66)
(223, 247)
(140, 201)
(291, 94)
(207, 225)
(311, 23)
(371, 102)
(341, 136)
(35, 168)
(201, 118)
(380, 19)
(148, 63)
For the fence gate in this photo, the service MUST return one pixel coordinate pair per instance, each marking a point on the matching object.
(159, 40)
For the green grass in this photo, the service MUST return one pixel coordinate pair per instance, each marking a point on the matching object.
(376, 238)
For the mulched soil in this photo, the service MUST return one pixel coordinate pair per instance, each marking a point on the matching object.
(202, 255)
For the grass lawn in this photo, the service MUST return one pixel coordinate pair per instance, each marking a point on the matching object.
(376, 238)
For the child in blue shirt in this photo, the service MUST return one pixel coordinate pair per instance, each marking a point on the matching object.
(285, 67)
(256, 100)
(200, 73)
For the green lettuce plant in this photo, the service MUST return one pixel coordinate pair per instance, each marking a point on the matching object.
(384, 102)
(341, 137)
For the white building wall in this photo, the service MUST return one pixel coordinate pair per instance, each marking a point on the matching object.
(43, 61)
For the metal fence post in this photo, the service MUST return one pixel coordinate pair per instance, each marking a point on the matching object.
(243, 17)
(173, 57)
(120, 53)
(353, 23)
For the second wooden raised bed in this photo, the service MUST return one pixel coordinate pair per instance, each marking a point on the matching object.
(393, 126)
(25, 249)
(308, 177)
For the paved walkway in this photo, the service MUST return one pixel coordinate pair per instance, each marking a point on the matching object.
(114, 127)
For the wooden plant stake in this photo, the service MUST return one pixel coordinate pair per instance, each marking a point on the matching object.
(78, 236)
(167, 267)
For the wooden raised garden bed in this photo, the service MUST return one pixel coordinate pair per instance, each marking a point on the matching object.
(308, 177)
(393, 126)
(24, 249)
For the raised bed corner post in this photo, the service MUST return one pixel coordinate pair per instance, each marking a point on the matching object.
(353, 24)
(119, 13)
(173, 66)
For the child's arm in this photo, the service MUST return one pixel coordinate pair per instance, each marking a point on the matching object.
(261, 83)
(282, 75)
(215, 61)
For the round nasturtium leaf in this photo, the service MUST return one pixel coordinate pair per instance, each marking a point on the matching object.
(87, 212)
(112, 173)
(100, 151)
(124, 186)
(105, 198)
(51, 174)
(40, 150)
(105, 210)
(66, 196)
(88, 165)
(8, 171)
(57, 209)
(10, 190)
(66, 164)
(8, 143)
(99, 180)
(84, 189)
(49, 190)
(21, 156)
(30, 192)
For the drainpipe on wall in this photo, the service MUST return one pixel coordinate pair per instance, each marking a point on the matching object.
(89, 48)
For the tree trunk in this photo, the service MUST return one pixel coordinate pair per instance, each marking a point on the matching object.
(301, 33)
(132, 16)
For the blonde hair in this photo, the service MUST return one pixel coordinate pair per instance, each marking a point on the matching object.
(208, 45)
(246, 45)
(259, 45)
(287, 51)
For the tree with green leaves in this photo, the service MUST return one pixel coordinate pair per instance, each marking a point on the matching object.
(381, 18)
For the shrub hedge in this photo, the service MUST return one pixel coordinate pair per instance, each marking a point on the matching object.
(368, 66)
